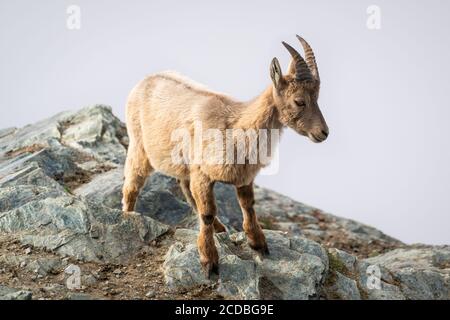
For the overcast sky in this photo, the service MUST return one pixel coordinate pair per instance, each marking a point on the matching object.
(385, 92)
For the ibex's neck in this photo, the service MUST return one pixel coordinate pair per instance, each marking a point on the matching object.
(259, 113)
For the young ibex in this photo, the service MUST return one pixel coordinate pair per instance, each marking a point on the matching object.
(165, 102)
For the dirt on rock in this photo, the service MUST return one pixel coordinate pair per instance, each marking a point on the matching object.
(141, 278)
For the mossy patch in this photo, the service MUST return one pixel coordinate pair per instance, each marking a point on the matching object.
(337, 266)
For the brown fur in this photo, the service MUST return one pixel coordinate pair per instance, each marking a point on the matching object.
(164, 102)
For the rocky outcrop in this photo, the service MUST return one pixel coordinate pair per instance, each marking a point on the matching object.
(294, 269)
(60, 192)
(40, 164)
(69, 226)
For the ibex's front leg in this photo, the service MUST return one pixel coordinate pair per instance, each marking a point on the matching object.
(202, 191)
(255, 236)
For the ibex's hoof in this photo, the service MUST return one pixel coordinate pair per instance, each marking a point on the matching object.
(263, 250)
(210, 268)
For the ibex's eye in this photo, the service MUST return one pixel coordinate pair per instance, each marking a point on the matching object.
(300, 103)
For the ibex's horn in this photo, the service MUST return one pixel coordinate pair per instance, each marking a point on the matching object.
(309, 57)
(302, 71)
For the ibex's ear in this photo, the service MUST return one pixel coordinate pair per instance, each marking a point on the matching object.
(275, 73)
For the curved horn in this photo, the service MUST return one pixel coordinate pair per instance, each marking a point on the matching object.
(302, 71)
(309, 57)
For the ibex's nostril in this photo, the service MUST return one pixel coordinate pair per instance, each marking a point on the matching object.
(325, 133)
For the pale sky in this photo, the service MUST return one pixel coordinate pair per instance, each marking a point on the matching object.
(385, 93)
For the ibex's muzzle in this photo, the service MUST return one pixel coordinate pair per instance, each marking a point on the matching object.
(318, 135)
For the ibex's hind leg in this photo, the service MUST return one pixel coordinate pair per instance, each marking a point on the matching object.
(137, 169)
(184, 185)
(255, 235)
(185, 188)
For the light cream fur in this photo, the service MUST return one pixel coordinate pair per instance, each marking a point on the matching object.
(164, 102)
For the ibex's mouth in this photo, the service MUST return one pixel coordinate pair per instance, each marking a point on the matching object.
(316, 138)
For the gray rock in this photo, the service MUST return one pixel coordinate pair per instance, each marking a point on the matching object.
(96, 131)
(62, 144)
(7, 293)
(92, 130)
(421, 273)
(31, 175)
(89, 280)
(343, 288)
(55, 166)
(304, 245)
(41, 266)
(37, 133)
(381, 287)
(285, 274)
(153, 202)
(105, 188)
(69, 226)
(16, 197)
